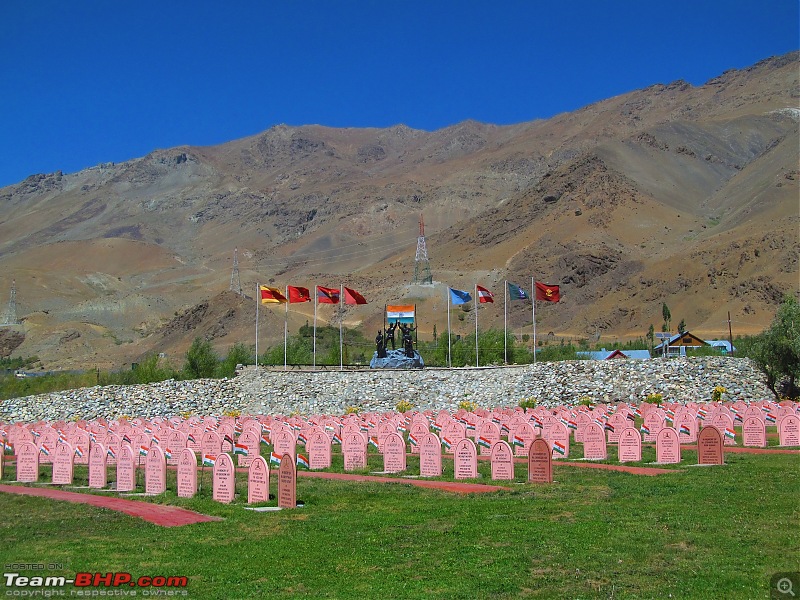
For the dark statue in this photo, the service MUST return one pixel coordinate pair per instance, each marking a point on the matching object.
(380, 345)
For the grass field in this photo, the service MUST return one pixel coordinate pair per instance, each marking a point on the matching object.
(702, 532)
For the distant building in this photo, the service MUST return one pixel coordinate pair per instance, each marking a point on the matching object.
(723, 346)
(615, 354)
(678, 343)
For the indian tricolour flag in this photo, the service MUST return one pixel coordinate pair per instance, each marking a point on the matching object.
(644, 429)
(447, 443)
(302, 439)
(517, 441)
(240, 449)
(302, 460)
(559, 447)
(190, 439)
(265, 440)
(143, 450)
(770, 418)
(403, 313)
(274, 459)
(79, 452)
(7, 446)
(45, 450)
(412, 440)
(701, 414)
(684, 430)
(730, 433)
(571, 424)
(208, 460)
(168, 454)
(110, 452)
(373, 441)
(482, 441)
(336, 439)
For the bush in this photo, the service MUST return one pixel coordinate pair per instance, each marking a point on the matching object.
(201, 361)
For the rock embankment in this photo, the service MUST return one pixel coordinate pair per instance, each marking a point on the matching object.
(261, 391)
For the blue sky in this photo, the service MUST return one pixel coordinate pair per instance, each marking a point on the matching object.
(93, 81)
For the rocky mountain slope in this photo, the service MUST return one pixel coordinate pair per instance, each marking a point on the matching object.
(675, 193)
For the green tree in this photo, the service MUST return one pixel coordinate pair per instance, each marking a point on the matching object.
(776, 351)
(238, 354)
(201, 361)
(651, 335)
(666, 315)
(682, 326)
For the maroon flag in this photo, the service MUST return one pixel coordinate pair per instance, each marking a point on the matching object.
(484, 295)
(327, 295)
(548, 293)
(353, 297)
(298, 294)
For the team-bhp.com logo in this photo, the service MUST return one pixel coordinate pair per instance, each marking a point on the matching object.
(95, 580)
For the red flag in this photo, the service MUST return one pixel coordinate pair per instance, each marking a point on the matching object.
(548, 293)
(299, 294)
(353, 297)
(484, 295)
(271, 295)
(327, 295)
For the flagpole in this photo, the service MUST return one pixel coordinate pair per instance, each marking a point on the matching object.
(285, 329)
(449, 359)
(533, 316)
(505, 322)
(341, 319)
(316, 293)
(476, 324)
(258, 289)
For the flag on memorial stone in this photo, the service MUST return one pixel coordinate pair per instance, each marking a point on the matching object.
(412, 440)
(168, 454)
(78, 451)
(240, 449)
(208, 460)
(265, 440)
(701, 414)
(517, 441)
(110, 452)
(227, 438)
(482, 441)
(45, 450)
(436, 427)
(730, 433)
(274, 459)
(644, 429)
(560, 448)
(572, 424)
(609, 427)
(302, 439)
(126, 439)
(7, 446)
(143, 450)
(770, 418)
(630, 417)
(373, 441)
(189, 438)
(684, 429)
(447, 443)
(302, 461)
(336, 439)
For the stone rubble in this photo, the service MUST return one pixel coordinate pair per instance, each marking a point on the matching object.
(265, 391)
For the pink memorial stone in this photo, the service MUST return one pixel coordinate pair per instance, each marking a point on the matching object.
(284, 442)
(258, 480)
(155, 471)
(287, 483)
(789, 430)
(668, 448)
(141, 444)
(653, 423)
(488, 435)
(319, 450)
(453, 431)
(582, 419)
(97, 466)
(594, 442)
(754, 433)
(629, 446)
(419, 429)
(617, 422)
(354, 451)
(540, 465)
(63, 461)
(210, 444)
(175, 442)
(48, 440)
(687, 427)
(559, 440)
(187, 473)
(251, 443)
(465, 460)
(113, 442)
(430, 455)
(80, 446)
(394, 453)
(126, 469)
(709, 446)
(502, 460)
(522, 437)
(27, 462)
(225, 433)
(724, 423)
(224, 479)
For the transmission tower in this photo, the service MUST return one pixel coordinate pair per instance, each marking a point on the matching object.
(422, 266)
(236, 284)
(10, 317)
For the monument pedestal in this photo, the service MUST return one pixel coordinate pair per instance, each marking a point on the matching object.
(396, 359)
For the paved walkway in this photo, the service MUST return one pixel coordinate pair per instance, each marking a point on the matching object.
(160, 514)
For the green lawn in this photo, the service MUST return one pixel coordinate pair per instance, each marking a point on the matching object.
(703, 532)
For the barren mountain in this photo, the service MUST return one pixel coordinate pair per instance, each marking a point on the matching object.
(674, 193)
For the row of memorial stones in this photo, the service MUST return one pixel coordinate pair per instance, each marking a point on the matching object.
(465, 463)
(211, 436)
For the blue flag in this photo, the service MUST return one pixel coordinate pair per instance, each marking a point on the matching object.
(459, 297)
(516, 293)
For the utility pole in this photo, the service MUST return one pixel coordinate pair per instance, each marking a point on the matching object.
(422, 266)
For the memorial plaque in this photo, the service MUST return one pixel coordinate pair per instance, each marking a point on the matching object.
(140, 446)
(319, 449)
(394, 453)
(668, 448)
(284, 442)
(80, 446)
(616, 422)
(210, 443)
(430, 455)
(540, 465)
(287, 483)
(582, 419)
(63, 460)
(525, 434)
(251, 443)
(155, 471)
(502, 460)
(629, 446)
(559, 440)
(653, 423)
(724, 423)
(488, 434)
(176, 441)
(187, 473)
(126, 469)
(27, 462)
(687, 427)
(224, 479)
(97, 466)
(354, 451)
(709, 446)
(48, 440)
(226, 434)
(465, 460)
(113, 442)
(453, 431)
(594, 442)
(419, 429)
(754, 433)
(258, 480)
(789, 431)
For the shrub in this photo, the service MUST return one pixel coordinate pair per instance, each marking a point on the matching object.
(403, 406)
